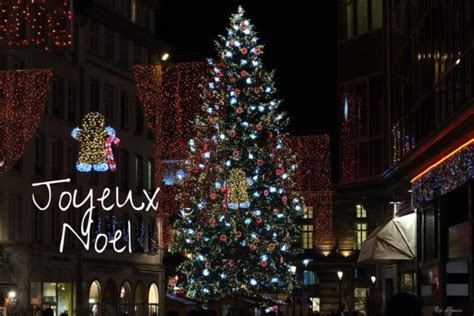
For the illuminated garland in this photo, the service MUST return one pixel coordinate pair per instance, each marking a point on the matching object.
(39, 23)
(96, 141)
(314, 162)
(349, 132)
(169, 95)
(313, 181)
(402, 144)
(23, 96)
(447, 176)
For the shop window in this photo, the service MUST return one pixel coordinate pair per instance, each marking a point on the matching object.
(65, 294)
(153, 300)
(315, 304)
(138, 309)
(94, 299)
(35, 292)
(429, 235)
(125, 298)
(110, 298)
(360, 298)
(50, 296)
(408, 282)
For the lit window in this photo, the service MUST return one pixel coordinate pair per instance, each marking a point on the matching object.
(150, 174)
(360, 211)
(308, 212)
(361, 234)
(310, 278)
(133, 11)
(307, 236)
(315, 304)
(360, 299)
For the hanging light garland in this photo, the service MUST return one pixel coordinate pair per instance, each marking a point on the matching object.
(349, 132)
(23, 96)
(313, 180)
(169, 95)
(45, 24)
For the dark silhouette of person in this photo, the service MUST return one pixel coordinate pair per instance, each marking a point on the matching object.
(403, 304)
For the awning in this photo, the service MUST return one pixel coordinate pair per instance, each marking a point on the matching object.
(395, 240)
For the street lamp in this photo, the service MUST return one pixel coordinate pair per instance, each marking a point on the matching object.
(165, 56)
(11, 300)
(372, 294)
(293, 271)
(339, 275)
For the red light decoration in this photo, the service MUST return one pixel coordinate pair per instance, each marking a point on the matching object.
(170, 98)
(23, 95)
(313, 181)
(349, 132)
(36, 23)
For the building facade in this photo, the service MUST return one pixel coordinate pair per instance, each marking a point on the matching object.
(94, 74)
(406, 120)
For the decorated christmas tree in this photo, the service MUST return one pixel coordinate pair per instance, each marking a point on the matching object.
(237, 223)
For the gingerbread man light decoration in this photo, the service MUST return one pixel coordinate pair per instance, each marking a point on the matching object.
(96, 144)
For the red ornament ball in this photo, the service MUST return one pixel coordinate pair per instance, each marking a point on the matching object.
(244, 51)
(213, 195)
(223, 238)
(263, 264)
(231, 263)
(280, 171)
(271, 246)
(259, 126)
(260, 162)
(265, 192)
(284, 199)
(237, 91)
(231, 133)
(259, 220)
(244, 74)
(239, 110)
(238, 234)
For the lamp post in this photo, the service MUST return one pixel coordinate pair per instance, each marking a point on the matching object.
(293, 271)
(372, 294)
(339, 276)
(11, 301)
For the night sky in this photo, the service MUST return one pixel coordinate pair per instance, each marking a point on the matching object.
(300, 43)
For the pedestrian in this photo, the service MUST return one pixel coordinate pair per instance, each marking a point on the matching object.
(403, 304)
